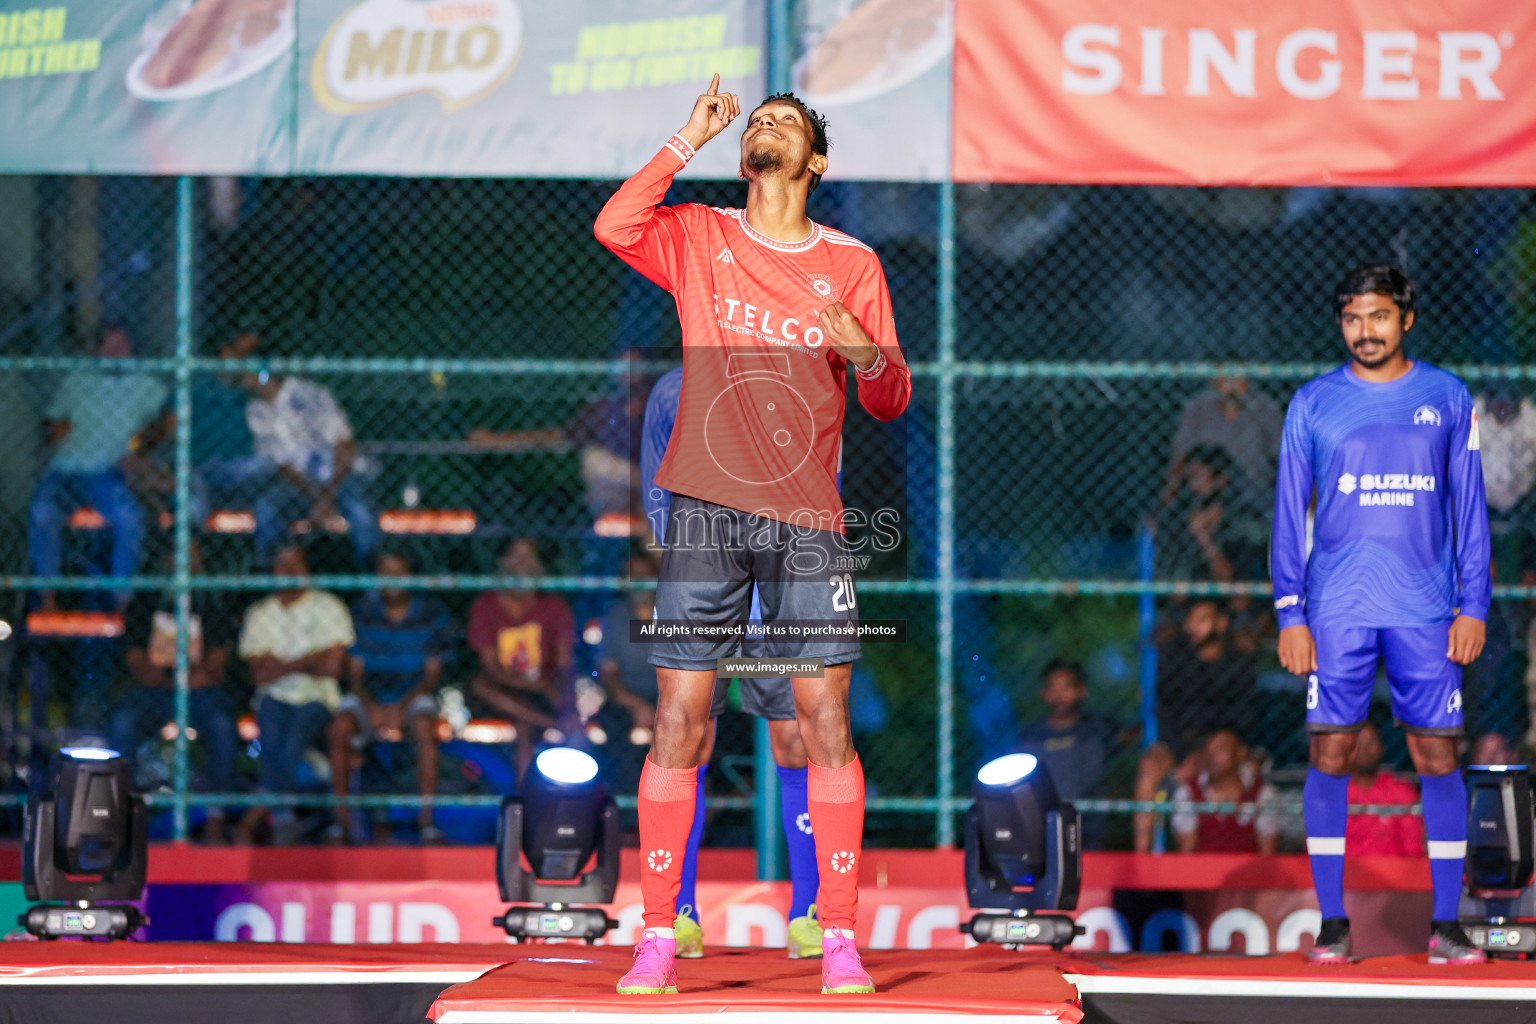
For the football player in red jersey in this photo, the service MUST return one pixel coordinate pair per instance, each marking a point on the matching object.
(775, 309)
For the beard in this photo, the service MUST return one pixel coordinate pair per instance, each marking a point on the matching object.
(761, 161)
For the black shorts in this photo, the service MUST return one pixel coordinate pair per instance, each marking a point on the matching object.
(712, 558)
(773, 699)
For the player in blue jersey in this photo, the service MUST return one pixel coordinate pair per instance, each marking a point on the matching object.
(772, 699)
(1398, 572)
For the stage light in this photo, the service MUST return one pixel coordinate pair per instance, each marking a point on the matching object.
(1023, 854)
(1498, 906)
(86, 839)
(1007, 770)
(563, 821)
(565, 766)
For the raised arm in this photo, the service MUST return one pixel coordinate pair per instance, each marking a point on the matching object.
(641, 232)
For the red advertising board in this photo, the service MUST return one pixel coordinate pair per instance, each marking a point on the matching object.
(908, 899)
(1245, 92)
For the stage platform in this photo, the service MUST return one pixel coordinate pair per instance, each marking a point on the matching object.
(292, 983)
(744, 986)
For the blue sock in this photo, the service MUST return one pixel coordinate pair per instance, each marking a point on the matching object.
(1325, 807)
(794, 810)
(688, 891)
(1445, 826)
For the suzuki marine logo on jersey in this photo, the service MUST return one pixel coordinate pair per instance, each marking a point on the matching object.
(1397, 482)
(1377, 489)
(1426, 416)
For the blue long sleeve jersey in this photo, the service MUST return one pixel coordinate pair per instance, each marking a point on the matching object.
(655, 432)
(1401, 532)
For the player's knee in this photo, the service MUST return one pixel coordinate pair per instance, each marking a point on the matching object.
(1333, 753)
(1433, 755)
(681, 734)
(825, 732)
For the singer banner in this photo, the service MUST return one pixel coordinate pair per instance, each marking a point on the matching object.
(1245, 92)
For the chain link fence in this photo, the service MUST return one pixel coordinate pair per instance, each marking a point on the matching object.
(435, 369)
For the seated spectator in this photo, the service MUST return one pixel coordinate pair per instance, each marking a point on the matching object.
(1072, 743)
(402, 642)
(1203, 683)
(1228, 776)
(296, 643)
(150, 634)
(525, 641)
(1374, 835)
(227, 472)
(90, 422)
(1203, 679)
(303, 433)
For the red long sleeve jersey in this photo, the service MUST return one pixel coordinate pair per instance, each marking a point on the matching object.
(760, 420)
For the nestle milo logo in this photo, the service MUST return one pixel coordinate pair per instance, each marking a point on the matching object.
(381, 51)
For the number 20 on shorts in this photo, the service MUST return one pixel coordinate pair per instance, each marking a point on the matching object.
(842, 593)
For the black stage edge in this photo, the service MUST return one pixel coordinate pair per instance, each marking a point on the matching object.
(397, 1003)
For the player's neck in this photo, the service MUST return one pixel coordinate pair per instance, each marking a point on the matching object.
(1393, 369)
(776, 208)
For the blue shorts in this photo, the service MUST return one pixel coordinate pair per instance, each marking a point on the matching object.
(1426, 685)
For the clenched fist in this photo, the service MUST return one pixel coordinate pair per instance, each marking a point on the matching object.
(711, 113)
(847, 336)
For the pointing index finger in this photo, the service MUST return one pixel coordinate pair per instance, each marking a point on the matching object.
(714, 85)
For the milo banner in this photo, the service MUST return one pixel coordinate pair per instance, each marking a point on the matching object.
(147, 86)
(502, 87)
(400, 87)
